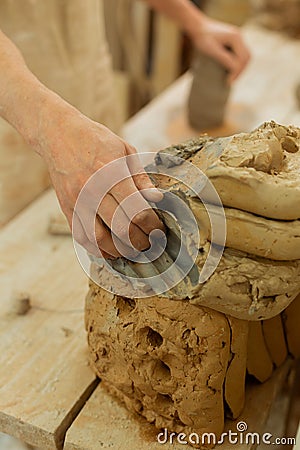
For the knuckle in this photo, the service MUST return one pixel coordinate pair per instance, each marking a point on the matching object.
(142, 218)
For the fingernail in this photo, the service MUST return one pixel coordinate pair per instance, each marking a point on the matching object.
(153, 194)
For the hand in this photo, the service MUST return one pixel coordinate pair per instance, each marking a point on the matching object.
(74, 148)
(224, 43)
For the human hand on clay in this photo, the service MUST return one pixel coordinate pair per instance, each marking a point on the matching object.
(74, 149)
(222, 42)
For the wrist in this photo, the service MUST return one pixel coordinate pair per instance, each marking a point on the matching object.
(36, 112)
(194, 24)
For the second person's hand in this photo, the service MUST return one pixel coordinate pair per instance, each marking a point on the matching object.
(222, 42)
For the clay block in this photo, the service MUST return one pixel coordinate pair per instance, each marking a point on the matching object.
(256, 172)
(275, 340)
(167, 360)
(259, 363)
(236, 372)
(291, 320)
(268, 238)
(209, 93)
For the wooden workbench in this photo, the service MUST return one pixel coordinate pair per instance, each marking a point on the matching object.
(48, 395)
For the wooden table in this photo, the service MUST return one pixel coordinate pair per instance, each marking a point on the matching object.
(48, 395)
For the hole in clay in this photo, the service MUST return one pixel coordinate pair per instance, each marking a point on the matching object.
(103, 352)
(154, 338)
(164, 399)
(161, 371)
(186, 334)
(177, 419)
(125, 306)
(148, 337)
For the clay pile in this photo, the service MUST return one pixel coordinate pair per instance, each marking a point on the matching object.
(182, 362)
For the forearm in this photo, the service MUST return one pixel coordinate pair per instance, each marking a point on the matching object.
(187, 16)
(24, 101)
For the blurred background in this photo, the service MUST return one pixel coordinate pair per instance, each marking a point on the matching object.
(149, 52)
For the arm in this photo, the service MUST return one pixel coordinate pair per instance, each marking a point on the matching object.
(74, 148)
(209, 36)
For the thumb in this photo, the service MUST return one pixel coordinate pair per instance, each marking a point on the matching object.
(141, 178)
(227, 59)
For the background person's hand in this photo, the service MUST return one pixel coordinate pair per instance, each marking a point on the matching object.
(74, 148)
(224, 43)
(209, 36)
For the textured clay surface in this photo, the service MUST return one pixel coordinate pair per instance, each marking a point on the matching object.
(259, 363)
(291, 320)
(275, 340)
(182, 366)
(167, 360)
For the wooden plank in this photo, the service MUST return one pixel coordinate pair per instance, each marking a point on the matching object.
(104, 422)
(44, 375)
(231, 11)
(297, 446)
(122, 86)
(260, 94)
(166, 54)
(141, 31)
(19, 187)
(147, 130)
(112, 34)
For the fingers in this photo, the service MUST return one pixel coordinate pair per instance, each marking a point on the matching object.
(141, 178)
(135, 206)
(87, 229)
(240, 53)
(118, 222)
(80, 236)
(227, 59)
(226, 44)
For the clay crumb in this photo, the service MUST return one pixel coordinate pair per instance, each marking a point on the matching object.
(290, 145)
(21, 303)
(67, 331)
(58, 225)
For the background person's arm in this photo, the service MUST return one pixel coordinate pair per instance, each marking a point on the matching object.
(210, 36)
(74, 148)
